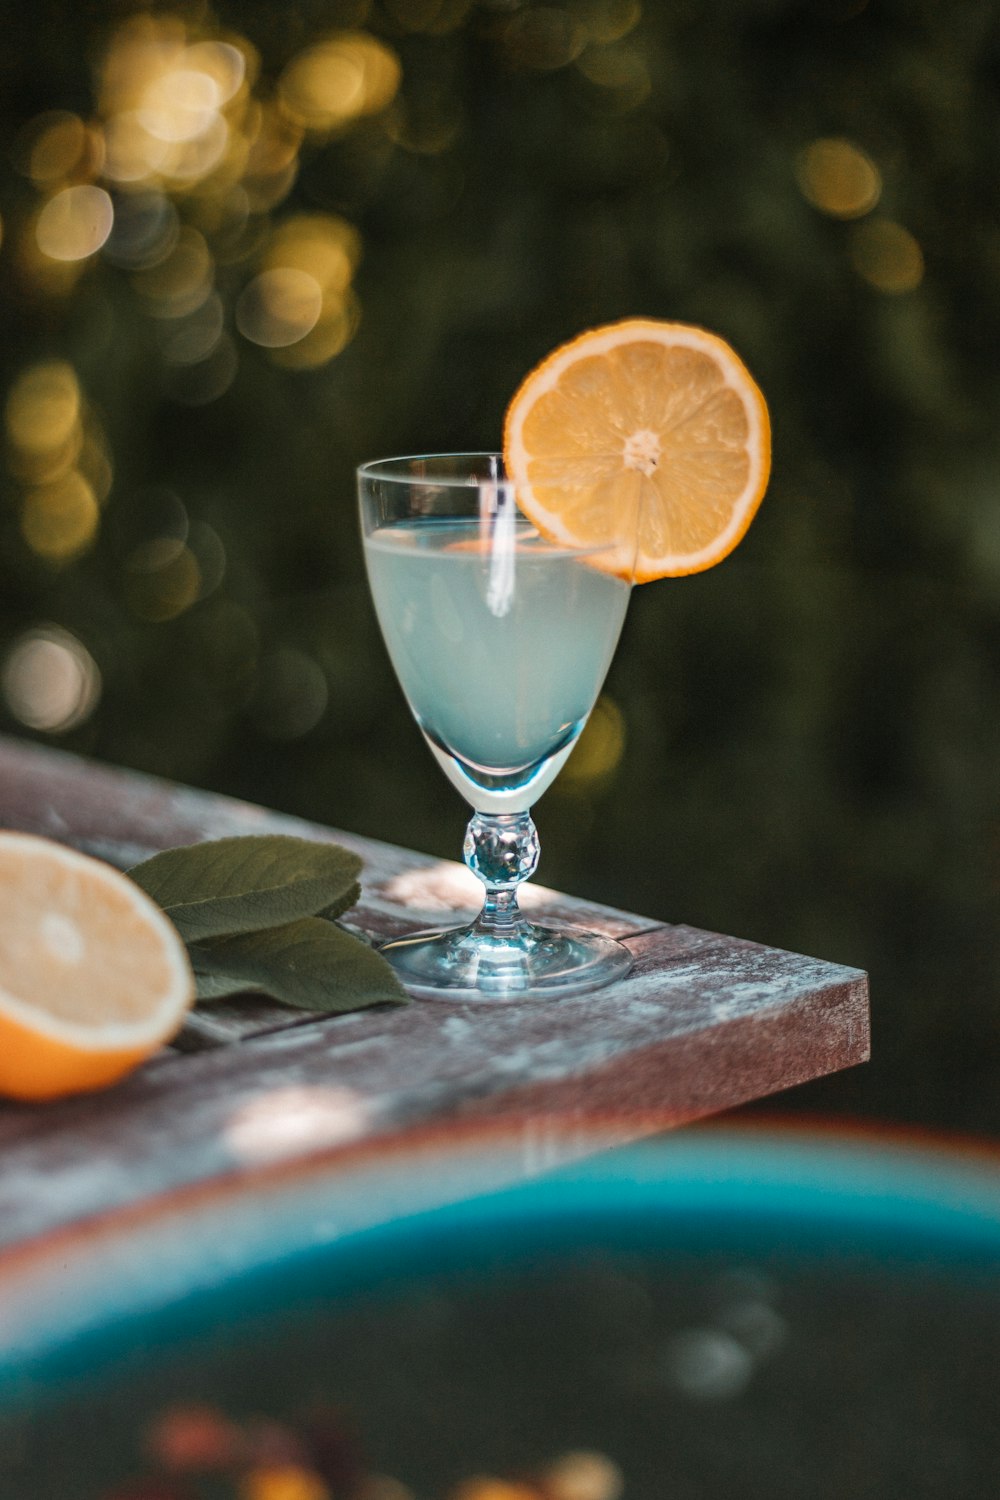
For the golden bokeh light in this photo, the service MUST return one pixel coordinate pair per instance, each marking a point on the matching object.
(142, 49)
(173, 110)
(75, 222)
(42, 413)
(162, 579)
(301, 306)
(284, 1481)
(132, 154)
(56, 147)
(221, 211)
(197, 164)
(324, 87)
(887, 256)
(210, 555)
(544, 38)
(272, 159)
(331, 335)
(50, 680)
(274, 140)
(427, 130)
(492, 1487)
(325, 246)
(209, 189)
(430, 17)
(181, 282)
(180, 105)
(94, 463)
(620, 70)
(54, 278)
(608, 20)
(41, 466)
(145, 230)
(279, 307)
(583, 1474)
(205, 380)
(227, 65)
(839, 178)
(599, 748)
(56, 446)
(60, 520)
(199, 157)
(339, 80)
(193, 338)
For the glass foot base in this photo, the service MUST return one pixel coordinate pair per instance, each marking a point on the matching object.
(465, 963)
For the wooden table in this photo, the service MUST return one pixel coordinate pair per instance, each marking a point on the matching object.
(703, 1023)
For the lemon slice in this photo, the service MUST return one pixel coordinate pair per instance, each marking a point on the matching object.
(93, 976)
(645, 442)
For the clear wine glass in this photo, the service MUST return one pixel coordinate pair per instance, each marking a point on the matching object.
(501, 641)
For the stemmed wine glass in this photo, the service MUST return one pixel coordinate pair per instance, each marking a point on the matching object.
(501, 641)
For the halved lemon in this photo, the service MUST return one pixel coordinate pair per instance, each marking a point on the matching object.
(645, 442)
(93, 976)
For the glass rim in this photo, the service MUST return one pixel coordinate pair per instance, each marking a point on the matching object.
(389, 469)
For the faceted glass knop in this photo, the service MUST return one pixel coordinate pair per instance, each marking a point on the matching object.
(501, 849)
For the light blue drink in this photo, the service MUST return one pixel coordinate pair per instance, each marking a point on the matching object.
(501, 642)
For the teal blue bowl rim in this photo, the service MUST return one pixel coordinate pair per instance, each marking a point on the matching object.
(904, 1207)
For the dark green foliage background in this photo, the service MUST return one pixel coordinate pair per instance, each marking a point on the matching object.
(812, 753)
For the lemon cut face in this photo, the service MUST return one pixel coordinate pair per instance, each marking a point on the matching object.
(645, 442)
(93, 977)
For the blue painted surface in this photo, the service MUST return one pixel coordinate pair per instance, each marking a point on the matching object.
(700, 1193)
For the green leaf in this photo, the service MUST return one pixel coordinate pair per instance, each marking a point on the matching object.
(248, 884)
(311, 964)
(209, 987)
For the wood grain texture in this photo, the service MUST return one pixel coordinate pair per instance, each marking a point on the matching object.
(703, 1023)
(124, 817)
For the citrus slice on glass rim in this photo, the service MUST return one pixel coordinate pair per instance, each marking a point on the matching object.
(645, 442)
(93, 976)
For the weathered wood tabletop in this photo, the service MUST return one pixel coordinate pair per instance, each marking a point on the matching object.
(703, 1023)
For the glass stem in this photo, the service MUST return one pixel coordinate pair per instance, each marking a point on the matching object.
(501, 850)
